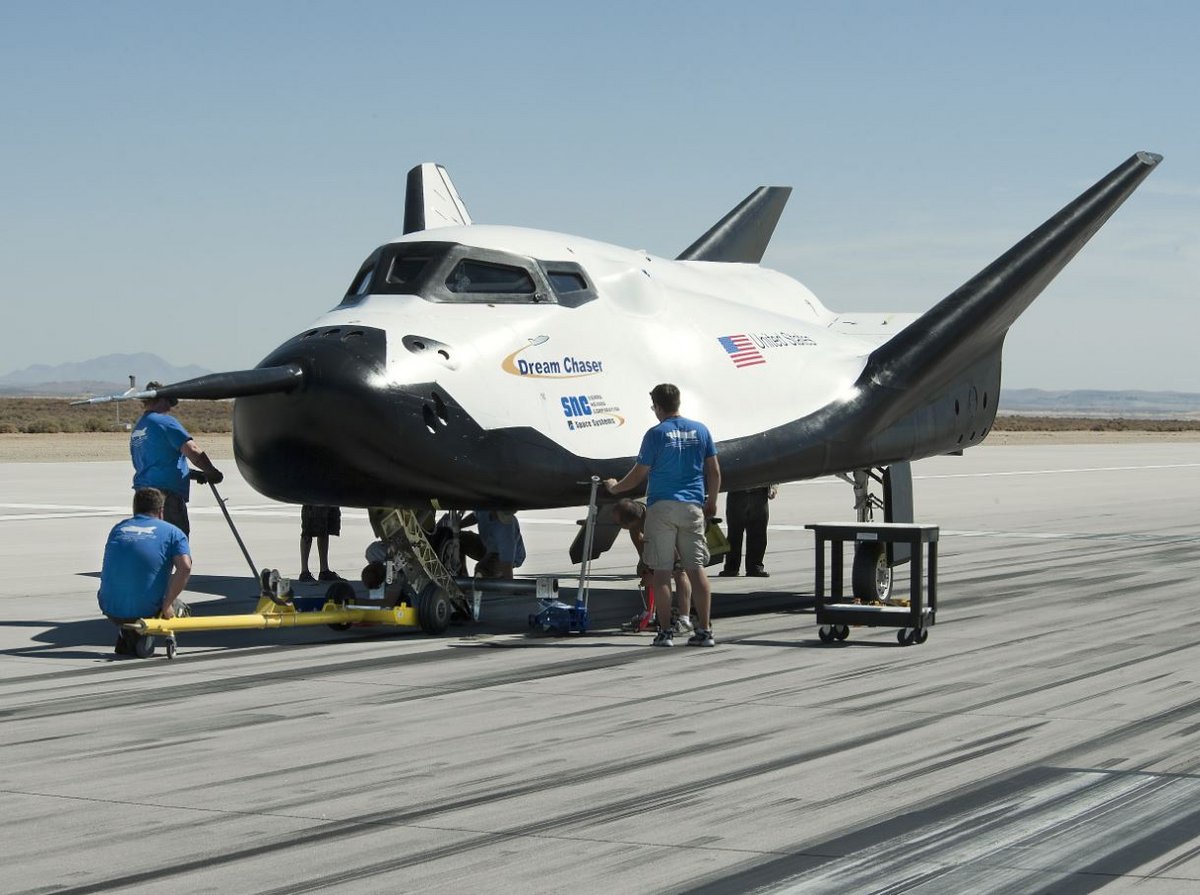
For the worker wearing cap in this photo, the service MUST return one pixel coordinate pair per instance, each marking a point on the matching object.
(161, 448)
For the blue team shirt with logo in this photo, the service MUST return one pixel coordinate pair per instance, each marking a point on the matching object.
(137, 566)
(154, 446)
(675, 451)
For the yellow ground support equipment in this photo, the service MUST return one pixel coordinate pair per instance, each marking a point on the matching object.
(277, 608)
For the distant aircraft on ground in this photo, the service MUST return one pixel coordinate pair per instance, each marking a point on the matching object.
(476, 366)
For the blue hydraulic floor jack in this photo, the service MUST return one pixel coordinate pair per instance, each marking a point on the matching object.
(556, 617)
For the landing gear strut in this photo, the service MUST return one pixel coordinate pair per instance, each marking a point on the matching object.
(871, 575)
(429, 572)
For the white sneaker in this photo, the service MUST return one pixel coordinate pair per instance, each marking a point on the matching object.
(663, 638)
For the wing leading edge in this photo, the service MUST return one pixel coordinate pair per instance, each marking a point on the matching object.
(970, 324)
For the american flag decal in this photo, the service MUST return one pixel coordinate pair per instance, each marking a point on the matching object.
(741, 350)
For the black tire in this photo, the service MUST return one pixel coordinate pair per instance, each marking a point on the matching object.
(449, 551)
(920, 635)
(826, 634)
(433, 610)
(143, 647)
(340, 592)
(841, 632)
(170, 647)
(871, 576)
(902, 637)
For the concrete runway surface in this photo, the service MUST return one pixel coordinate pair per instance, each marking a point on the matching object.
(1046, 738)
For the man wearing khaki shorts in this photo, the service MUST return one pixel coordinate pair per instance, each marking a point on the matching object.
(679, 458)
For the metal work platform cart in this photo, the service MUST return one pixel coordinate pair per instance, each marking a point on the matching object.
(835, 614)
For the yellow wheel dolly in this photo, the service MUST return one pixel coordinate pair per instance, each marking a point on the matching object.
(277, 608)
(410, 555)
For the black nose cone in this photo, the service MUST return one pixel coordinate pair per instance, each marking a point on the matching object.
(321, 442)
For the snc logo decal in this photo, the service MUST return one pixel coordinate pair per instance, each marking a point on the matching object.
(589, 412)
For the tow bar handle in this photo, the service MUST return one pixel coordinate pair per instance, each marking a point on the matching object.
(233, 528)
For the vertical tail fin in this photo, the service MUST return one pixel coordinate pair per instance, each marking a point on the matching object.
(742, 235)
(431, 200)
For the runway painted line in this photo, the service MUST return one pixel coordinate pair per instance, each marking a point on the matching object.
(263, 511)
(69, 511)
(831, 480)
(1151, 537)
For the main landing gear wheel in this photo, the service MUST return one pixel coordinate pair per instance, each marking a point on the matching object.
(340, 592)
(433, 609)
(872, 576)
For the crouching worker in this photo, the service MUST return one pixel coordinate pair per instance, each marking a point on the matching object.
(505, 548)
(147, 563)
(631, 516)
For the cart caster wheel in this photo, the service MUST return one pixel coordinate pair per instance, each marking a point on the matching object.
(902, 637)
(841, 632)
(920, 635)
(825, 632)
(143, 647)
(170, 647)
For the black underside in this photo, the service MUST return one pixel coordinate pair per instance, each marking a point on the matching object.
(344, 440)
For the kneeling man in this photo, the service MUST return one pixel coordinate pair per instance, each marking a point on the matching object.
(147, 563)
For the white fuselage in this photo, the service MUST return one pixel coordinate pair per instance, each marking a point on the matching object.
(749, 348)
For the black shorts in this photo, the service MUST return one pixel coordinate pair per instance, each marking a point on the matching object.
(317, 522)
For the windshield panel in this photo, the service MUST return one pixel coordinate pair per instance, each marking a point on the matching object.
(479, 277)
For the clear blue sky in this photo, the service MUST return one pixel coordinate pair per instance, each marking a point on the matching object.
(201, 180)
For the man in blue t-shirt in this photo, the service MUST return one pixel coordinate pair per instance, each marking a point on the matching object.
(160, 449)
(147, 563)
(679, 458)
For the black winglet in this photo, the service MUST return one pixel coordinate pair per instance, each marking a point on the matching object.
(973, 320)
(743, 234)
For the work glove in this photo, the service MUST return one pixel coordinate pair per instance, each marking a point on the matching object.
(200, 478)
(216, 476)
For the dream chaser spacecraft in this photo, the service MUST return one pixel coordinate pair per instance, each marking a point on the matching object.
(474, 366)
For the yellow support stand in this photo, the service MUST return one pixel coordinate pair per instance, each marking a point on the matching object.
(269, 614)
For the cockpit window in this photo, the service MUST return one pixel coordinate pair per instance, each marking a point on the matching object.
(364, 288)
(360, 286)
(570, 282)
(566, 281)
(406, 269)
(476, 277)
(452, 272)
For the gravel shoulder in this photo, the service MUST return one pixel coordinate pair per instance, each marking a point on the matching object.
(75, 447)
